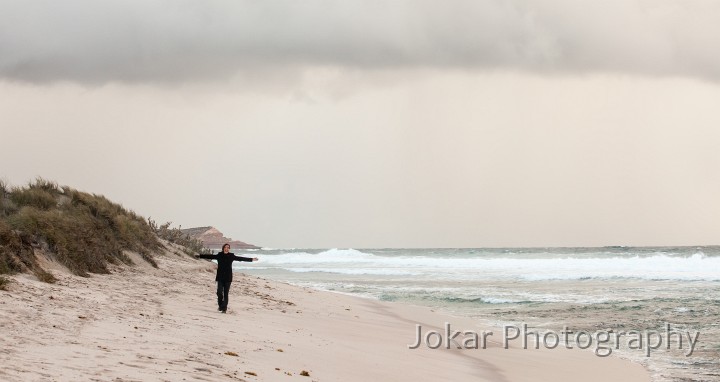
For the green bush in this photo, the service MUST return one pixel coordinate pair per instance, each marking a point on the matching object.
(44, 184)
(34, 197)
(191, 245)
(16, 254)
(4, 281)
(4, 190)
(44, 276)
(86, 232)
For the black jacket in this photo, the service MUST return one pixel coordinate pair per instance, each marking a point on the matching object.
(225, 260)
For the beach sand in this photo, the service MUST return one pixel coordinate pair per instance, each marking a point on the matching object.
(144, 324)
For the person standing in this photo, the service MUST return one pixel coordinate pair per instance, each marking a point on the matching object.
(224, 273)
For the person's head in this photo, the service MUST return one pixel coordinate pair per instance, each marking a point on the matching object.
(226, 248)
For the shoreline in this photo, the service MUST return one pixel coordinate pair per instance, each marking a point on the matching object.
(141, 323)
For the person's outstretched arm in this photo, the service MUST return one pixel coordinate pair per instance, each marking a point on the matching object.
(212, 257)
(240, 258)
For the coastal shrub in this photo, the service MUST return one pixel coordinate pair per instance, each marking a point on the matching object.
(46, 185)
(7, 262)
(44, 276)
(147, 257)
(191, 246)
(4, 281)
(73, 237)
(17, 253)
(131, 230)
(3, 193)
(7, 207)
(85, 232)
(41, 194)
(34, 197)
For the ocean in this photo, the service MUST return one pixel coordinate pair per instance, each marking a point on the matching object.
(589, 289)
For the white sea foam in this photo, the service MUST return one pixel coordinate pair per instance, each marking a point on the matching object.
(357, 271)
(658, 266)
(495, 300)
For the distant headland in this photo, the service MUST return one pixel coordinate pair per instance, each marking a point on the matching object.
(212, 238)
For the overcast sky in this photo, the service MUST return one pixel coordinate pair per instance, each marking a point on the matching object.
(376, 123)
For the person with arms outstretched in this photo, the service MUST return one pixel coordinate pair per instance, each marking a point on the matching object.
(224, 273)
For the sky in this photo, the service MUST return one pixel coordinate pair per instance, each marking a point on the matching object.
(366, 124)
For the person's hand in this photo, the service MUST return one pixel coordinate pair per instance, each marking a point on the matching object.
(255, 259)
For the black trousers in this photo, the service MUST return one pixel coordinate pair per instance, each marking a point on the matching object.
(223, 290)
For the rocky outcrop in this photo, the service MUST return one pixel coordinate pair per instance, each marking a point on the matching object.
(213, 239)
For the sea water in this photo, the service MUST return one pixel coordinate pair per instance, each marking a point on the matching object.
(590, 289)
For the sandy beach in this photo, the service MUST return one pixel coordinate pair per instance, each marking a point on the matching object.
(145, 324)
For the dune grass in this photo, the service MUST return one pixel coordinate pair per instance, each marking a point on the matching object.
(4, 281)
(190, 246)
(85, 232)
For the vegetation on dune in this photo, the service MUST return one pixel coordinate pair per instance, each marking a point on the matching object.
(85, 232)
(190, 245)
(3, 282)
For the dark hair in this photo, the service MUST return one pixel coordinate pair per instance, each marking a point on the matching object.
(223, 247)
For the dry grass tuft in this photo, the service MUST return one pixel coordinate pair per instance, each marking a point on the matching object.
(191, 246)
(4, 282)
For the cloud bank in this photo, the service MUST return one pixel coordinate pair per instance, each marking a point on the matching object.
(172, 41)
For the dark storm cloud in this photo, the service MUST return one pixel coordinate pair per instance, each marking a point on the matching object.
(90, 41)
